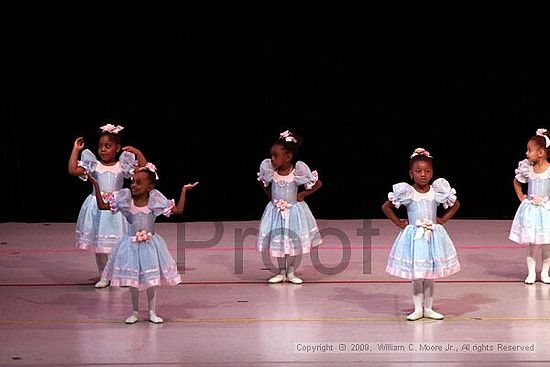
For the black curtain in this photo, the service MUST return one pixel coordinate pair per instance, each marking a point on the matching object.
(204, 94)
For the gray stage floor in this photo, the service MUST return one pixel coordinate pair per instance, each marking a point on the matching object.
(347, 312)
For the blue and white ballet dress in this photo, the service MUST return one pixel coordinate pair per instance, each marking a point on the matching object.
(287, 226)
(423, 249)
(141, 259)
(99, 230)
(531, 224)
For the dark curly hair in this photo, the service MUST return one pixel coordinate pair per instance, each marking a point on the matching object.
(290, 143)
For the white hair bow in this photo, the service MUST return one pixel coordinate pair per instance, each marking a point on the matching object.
(542, 132)
(286, 136)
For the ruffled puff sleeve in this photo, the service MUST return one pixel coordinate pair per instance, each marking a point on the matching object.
(523, 170)
(121, 201)
(304, 176)
(88, 161)
(402, 194)
(265, 175)
(444, 193)
(127, 163)
(159, 204)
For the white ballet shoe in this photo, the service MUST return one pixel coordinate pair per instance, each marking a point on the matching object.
(431, 314)
(530, 279)
(416, 315)
(277, 279)
(102, 283)
(294, 279)
(545, 279)
(132, 319)
(155, 319)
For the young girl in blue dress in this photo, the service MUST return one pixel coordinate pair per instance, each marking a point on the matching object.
(531, 224)
(141, 260)
(98, 231)
(287, 228)
(422, 251)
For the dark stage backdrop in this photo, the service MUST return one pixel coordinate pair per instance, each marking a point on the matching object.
(205, 93)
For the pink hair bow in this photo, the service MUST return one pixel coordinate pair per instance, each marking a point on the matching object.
(150, 167)
(421, 151)
(110, 128)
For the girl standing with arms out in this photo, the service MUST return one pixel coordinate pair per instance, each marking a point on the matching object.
(287, 228)
(141, 260)
(422, 251)
(531, 224)
(98, 231)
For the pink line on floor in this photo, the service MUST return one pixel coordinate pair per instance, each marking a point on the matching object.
(252, 248)
(244, 282)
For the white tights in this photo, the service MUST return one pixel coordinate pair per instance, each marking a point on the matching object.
(151, 297)
(533, 253)
(423, 294)
(287, 264)
(101, 261)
